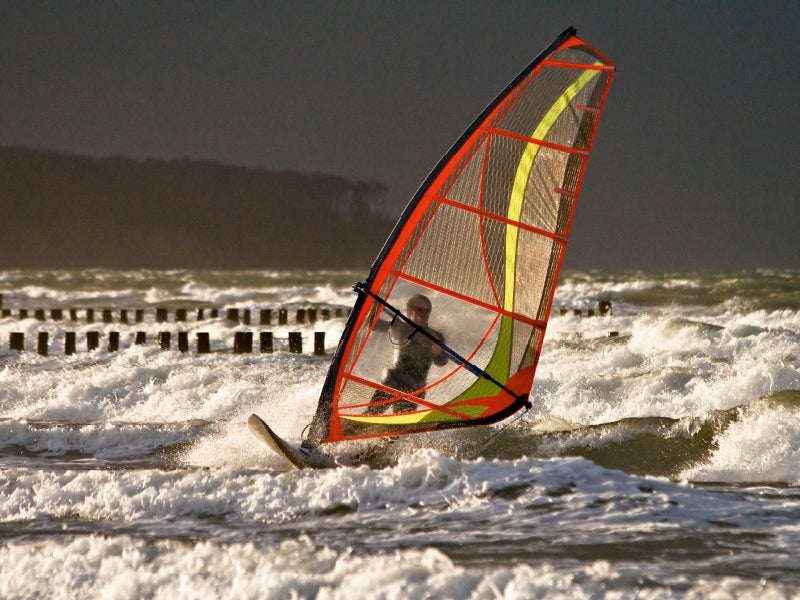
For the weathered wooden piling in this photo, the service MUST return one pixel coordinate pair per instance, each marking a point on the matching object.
(139, 315)
(200, 315)
(203, 342)
(23, 314)
(180, 315)
(265, 317)
(123, 316)
(604, 307)
(183, 341)
(319, 343)
(232, 314)
(300, 316)
(57, 314)
(295, 342)
(164, 338)
(16, 341)
(107, 318)
(161, 315)
(73, 314)
(283, 316)
(90, 315)
(266, 342)
(42, 343)
(325, 314)
(38, 314)
(246, 316)
(243, 342)
(92, 340)
(69, 343)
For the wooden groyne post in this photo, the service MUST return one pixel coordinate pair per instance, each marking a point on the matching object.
(266, 342)
(42, 343)
(203, 343)
(295, 342)
(16, 340)
(69, 343)
(243, 342)
(92, 340)
(164, 338)
(113, 341)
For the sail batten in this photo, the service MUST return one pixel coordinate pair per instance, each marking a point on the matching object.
(538, 142)
(496, 308)
(472, 266)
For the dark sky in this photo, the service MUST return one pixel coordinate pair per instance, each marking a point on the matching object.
(695, 165)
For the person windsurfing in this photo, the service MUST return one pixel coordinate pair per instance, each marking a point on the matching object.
(500, 202)
(413, 357)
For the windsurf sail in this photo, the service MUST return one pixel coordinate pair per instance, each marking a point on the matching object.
(482, 241)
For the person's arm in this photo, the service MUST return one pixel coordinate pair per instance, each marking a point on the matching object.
(439, 358)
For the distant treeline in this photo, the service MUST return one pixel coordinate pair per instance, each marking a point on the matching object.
(66, 211)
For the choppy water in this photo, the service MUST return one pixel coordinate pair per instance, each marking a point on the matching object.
(663, 462)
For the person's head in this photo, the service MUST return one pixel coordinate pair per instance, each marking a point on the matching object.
(419, 309)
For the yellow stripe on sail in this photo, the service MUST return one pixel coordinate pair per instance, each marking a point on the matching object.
(523, 175)
(499, 364)
(427, 416)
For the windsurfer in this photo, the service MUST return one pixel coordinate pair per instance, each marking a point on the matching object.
(413, 357)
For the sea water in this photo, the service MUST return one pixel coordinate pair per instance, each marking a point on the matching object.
(660, 459)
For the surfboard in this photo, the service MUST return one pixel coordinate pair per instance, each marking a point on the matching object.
(281, 447)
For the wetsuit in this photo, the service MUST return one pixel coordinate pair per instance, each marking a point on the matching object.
(413, 357)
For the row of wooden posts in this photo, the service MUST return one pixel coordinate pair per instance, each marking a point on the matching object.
(244, 316)
(603, 309)
(242, 341)
(302, 316)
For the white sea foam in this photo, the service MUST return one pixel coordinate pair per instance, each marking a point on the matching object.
(133, 474)
(679, 361)
(561, 493)
(129, 568)
(102, 441)
(763, 447)
(563, 490)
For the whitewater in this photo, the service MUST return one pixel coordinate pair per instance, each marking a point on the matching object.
(660, 458)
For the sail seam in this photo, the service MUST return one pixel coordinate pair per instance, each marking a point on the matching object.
(523, 173)
(530, 140)
(452, 293)
(395, 393)
(501, 219)
(578, 66)
(481, 224)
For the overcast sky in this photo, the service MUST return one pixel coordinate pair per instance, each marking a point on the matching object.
(695, 164)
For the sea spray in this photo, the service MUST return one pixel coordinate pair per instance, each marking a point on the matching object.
(651, 463)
